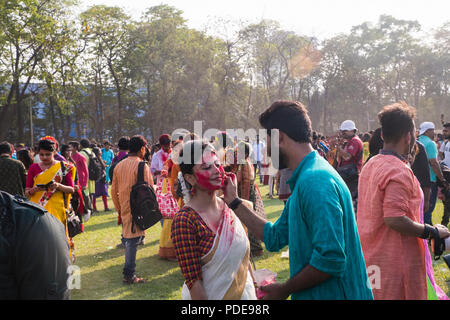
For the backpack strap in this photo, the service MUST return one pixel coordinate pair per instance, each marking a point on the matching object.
(63, 170)
(141, 172)
(140, 179)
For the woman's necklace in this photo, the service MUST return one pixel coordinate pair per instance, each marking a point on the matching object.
(45, 167)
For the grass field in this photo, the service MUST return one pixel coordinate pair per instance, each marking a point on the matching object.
(101, 263)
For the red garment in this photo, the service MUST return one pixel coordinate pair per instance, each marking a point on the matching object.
(82, 169)
(355, 147)
(35, 169)
(192, 239)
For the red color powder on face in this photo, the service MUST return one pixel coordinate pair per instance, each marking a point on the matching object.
(164, 156)
(204, 180)
(204, 177)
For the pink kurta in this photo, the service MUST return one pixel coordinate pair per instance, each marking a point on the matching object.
(388, 188)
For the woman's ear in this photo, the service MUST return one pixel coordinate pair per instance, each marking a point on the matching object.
(189, 178)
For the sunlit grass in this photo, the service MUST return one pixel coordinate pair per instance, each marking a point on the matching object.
(101, 263)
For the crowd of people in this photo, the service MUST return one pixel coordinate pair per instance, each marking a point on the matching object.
(352, 201)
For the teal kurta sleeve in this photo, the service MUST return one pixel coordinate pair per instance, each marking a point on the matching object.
(276, 235)
(324, 216)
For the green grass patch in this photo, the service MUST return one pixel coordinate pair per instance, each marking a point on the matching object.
(101, 262)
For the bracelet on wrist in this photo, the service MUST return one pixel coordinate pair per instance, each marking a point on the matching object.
(235, 203)
(427, 232)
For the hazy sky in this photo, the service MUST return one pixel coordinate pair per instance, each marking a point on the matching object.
(320, 18)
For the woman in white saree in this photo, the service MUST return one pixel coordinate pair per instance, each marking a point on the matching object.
(211, 244)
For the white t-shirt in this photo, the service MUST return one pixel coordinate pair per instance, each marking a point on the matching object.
(157, 163)
(445, 149)
(258, 150)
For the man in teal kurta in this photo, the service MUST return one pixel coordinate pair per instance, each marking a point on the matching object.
(318, 222)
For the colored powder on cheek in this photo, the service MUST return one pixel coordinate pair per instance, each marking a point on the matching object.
(204, 181)
(222, 175)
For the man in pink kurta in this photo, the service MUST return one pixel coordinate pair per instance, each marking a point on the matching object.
(388, 188)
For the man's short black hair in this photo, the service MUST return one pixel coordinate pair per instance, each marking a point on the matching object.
(124, 143)
(85, 143)
(75, 145)
(396, 120)
(447, 125)
(136, 143)
(290, 117)
(5, 147)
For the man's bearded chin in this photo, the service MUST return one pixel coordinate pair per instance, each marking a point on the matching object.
(282, 160)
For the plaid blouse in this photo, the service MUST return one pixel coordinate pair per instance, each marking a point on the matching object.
(192, 239)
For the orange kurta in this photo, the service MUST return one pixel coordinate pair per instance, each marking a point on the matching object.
(125, 176)
(388, 188)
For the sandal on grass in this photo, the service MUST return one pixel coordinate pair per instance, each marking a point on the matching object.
(134, 280)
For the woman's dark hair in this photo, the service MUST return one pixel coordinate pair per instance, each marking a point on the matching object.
(396, 120)
(25, 157)
(243, 146)
(375, 143)
(191, 154)
(5, 147)
(290, 117)
(124, 143)
(366, 137)
(75, 145)
(97, 152)
(85, 143)
(63, 150)
(155, 148)
(136, 143)
(224, 140)
(46, 145)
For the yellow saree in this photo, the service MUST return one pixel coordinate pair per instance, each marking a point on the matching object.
(53, 200)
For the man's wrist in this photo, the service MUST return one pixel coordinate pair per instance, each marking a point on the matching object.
(427, 232)
(234, 204)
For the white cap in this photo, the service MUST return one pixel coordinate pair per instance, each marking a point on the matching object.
(348, 125)
(424, 126)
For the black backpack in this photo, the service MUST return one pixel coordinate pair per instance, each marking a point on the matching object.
(113, 165)
(143, 203)
(95, 168)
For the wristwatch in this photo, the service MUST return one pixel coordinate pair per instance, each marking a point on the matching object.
(235, 203)
(427, 232)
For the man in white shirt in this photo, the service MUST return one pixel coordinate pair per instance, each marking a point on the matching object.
(444, 152)
(161, 156)
(258, 147)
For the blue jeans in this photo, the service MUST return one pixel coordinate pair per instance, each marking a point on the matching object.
(433, 198)
(131, 246)
(258, 166)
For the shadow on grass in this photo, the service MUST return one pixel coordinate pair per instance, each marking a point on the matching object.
(94, 227)
(164, 282)
(88, 261)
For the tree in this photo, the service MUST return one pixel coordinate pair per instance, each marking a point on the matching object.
(27, 27)
(108, 30)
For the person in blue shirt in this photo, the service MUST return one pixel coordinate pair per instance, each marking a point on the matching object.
(426, 137)
(318, 222)
(107, 157)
